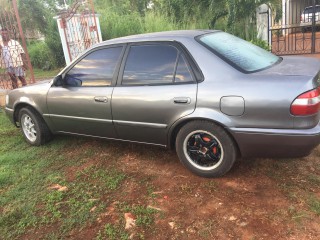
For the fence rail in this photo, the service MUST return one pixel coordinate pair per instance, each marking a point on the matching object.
(297, 31)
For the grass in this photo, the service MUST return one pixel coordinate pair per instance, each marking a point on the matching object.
(314, 204)
(45, 74)
(113, 232)
(31, 179)
(26, 172)
(144, 215)
(98, 187)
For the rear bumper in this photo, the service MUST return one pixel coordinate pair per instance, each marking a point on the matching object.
(255, 142)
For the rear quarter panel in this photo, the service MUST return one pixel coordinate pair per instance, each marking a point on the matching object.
(267, 94)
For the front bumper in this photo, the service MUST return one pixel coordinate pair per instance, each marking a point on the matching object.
(254, 142)
(9, 112)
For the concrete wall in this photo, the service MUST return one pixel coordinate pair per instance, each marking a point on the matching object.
(263, 19)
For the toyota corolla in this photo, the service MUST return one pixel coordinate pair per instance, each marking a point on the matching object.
(210, 95)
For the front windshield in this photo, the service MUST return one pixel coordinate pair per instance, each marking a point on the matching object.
(244, 55)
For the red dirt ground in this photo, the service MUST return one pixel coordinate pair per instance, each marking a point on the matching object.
(258, 199)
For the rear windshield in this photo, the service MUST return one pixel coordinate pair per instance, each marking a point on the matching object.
(245, 56)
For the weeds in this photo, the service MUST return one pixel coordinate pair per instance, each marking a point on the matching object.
(82, 201)
(144, 215)
(314, 204)
(26, 172)
(114, 233)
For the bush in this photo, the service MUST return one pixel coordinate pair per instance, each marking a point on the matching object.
(114, 25)
(53, 41)
(261, 43)
(41, 56)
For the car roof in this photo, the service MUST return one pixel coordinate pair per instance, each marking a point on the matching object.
(311, 7)
(160, 36)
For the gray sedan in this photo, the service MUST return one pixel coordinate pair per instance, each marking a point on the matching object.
(210, 95)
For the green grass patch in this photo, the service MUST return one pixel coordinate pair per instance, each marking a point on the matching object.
(26, 173)
(112, 232)
(45, 74)
(23, 177)
(144, 215)
(314, 204)
(81, 203)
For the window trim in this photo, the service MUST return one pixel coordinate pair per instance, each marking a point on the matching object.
(164, 43)
(180, 54)
(81, 57)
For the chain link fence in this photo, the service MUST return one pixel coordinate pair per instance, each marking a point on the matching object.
(15, 66)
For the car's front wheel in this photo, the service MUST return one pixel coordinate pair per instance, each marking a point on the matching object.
(205, 148)
(33, 127)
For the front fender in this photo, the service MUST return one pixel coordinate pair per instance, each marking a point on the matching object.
(34, 96)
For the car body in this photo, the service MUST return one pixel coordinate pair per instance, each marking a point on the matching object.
(307, 15)
(212, 96)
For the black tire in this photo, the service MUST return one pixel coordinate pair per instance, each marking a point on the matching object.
(205, 148)
(33, 127)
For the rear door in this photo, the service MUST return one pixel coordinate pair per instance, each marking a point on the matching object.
(156, 87)
(83, 104)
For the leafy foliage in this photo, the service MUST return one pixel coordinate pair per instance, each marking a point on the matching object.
(37, 17)
(40, 55)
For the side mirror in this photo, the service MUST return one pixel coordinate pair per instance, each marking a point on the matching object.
(58, 81)
(72, 81)
(67, 81)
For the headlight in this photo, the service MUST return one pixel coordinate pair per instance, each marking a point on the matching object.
(7, 100)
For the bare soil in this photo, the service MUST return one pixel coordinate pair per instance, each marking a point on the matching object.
(257, 199)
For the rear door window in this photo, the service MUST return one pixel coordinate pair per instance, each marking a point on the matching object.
(155, 64)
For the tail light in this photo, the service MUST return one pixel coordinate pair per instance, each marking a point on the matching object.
(307, 103)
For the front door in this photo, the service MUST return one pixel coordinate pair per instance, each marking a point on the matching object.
(82, 105)
(155, 88)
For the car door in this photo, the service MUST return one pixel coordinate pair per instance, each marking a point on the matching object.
(82, 104)
(156, 87)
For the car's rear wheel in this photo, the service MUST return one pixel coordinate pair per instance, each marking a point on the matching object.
(205, 148)
(33, 127)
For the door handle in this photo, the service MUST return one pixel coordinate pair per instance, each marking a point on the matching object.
(101, 99)
(182, 100)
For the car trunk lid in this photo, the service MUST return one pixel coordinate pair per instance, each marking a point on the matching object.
(294, 66)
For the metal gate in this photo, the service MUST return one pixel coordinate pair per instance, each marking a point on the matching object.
(79, 28)
(15, 65)
(295, 29)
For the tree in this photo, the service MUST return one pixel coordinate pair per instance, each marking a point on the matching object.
(232, 12)
(37, 16)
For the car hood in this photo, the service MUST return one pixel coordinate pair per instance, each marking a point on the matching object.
(34, 87)
(294, 66)
(45, 81)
